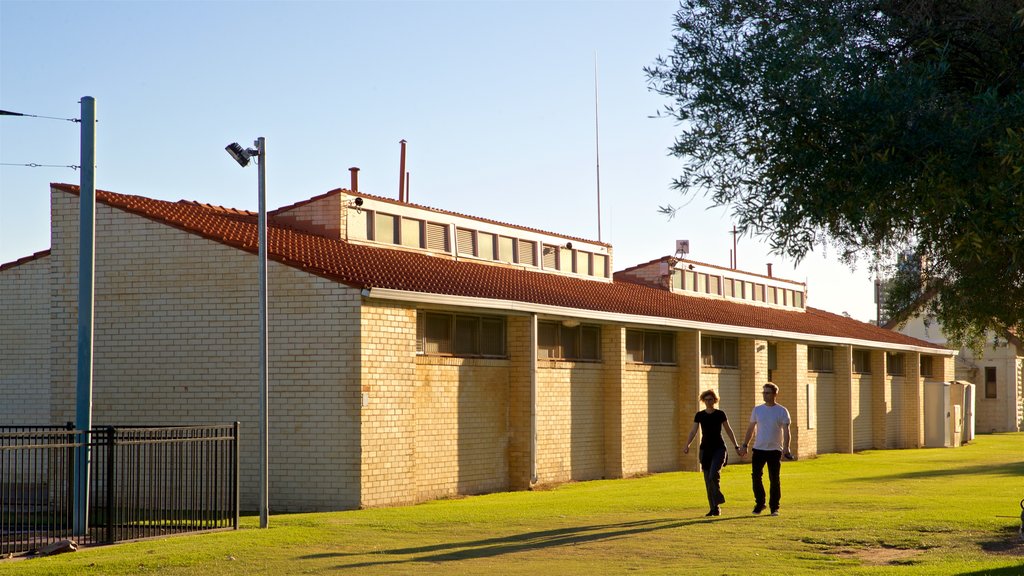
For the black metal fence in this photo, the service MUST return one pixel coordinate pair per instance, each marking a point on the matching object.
(144, 482)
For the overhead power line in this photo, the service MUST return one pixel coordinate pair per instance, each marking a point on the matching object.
(9, 113)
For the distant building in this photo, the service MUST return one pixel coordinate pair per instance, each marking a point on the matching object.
(418, 353)
(998, 376)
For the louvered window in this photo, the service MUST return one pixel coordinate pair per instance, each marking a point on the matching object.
(894, 364)
(527, 252)
(677, 279)
(467, 242)
(550, 257)
(862, 362)
(650, 347)
(819, 359)
(719, 352)
(927, 366)
(729, 288)
(437, 237)
(559, 342)
(438, 333)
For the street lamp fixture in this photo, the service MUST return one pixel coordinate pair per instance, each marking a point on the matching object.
(242, 156)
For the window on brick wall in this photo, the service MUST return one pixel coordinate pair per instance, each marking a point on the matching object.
(444, 334)
(719, 352)
(650, 347)
(990, 381)
(819, 359)
(862, 361)
(927, 369)
(894, 364)
(556, 341)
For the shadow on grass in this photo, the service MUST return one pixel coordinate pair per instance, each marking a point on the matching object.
(451, 551)
(1009, 469)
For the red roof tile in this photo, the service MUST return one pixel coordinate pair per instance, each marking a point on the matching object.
(29, 258)
(363, 266)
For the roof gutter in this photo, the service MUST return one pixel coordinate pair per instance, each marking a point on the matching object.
(598, 315)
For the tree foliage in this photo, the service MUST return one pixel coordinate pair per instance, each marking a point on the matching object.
(875, 127)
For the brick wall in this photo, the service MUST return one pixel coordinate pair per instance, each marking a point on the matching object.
(388, 420)
(323, 216)
(791, 378)
(520, 402)
(844, 398)
(688, 384)
(461, 410)
(176, 323)
(570, 421)
(25, 334)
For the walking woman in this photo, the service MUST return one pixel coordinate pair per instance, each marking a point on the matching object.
(712, 455)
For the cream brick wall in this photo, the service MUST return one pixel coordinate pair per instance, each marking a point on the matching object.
(753, 373)
(881, 400)
(520, 443)
(25, 344)
(791, 378)
(570, 421)
(688, 384)
(388, 422)
(461, 408)
(843, 406)
(825, 394)
(621, 417)
(175, 341)
(727, 383)
(323, 216)
(861, 408)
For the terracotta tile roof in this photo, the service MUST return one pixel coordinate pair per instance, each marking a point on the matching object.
(29, 258)
(363, 266)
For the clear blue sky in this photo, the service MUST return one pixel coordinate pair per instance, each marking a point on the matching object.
(496, 100)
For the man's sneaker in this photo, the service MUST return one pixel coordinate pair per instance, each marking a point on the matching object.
(759, 508)
(775, 512)
(715, 512)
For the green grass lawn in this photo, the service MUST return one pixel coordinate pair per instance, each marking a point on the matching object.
(952, 511)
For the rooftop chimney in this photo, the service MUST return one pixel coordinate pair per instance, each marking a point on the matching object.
(770, 270)
(355, 179)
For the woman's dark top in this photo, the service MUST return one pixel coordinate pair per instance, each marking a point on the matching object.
(710, 429)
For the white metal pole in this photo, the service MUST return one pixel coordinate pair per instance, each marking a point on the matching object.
(264, 379)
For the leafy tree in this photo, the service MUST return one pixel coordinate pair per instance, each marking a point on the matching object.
(874, 127)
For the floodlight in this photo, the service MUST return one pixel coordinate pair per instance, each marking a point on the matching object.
(241, 155)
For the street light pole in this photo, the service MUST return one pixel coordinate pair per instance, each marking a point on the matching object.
(86, 292)
(242, 156)
(264, 376)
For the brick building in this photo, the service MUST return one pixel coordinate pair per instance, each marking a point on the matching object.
(417, 353)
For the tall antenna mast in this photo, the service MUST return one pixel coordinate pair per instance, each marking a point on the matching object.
(597, 149)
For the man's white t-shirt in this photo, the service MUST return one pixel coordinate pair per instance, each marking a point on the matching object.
(770, 421)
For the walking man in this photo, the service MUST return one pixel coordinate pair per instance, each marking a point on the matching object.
(771, 421)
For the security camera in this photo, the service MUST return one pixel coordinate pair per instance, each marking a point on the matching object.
(568, 245)
(358, 201)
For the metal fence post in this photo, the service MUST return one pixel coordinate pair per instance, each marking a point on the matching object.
(234, 479)
(111, 448)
